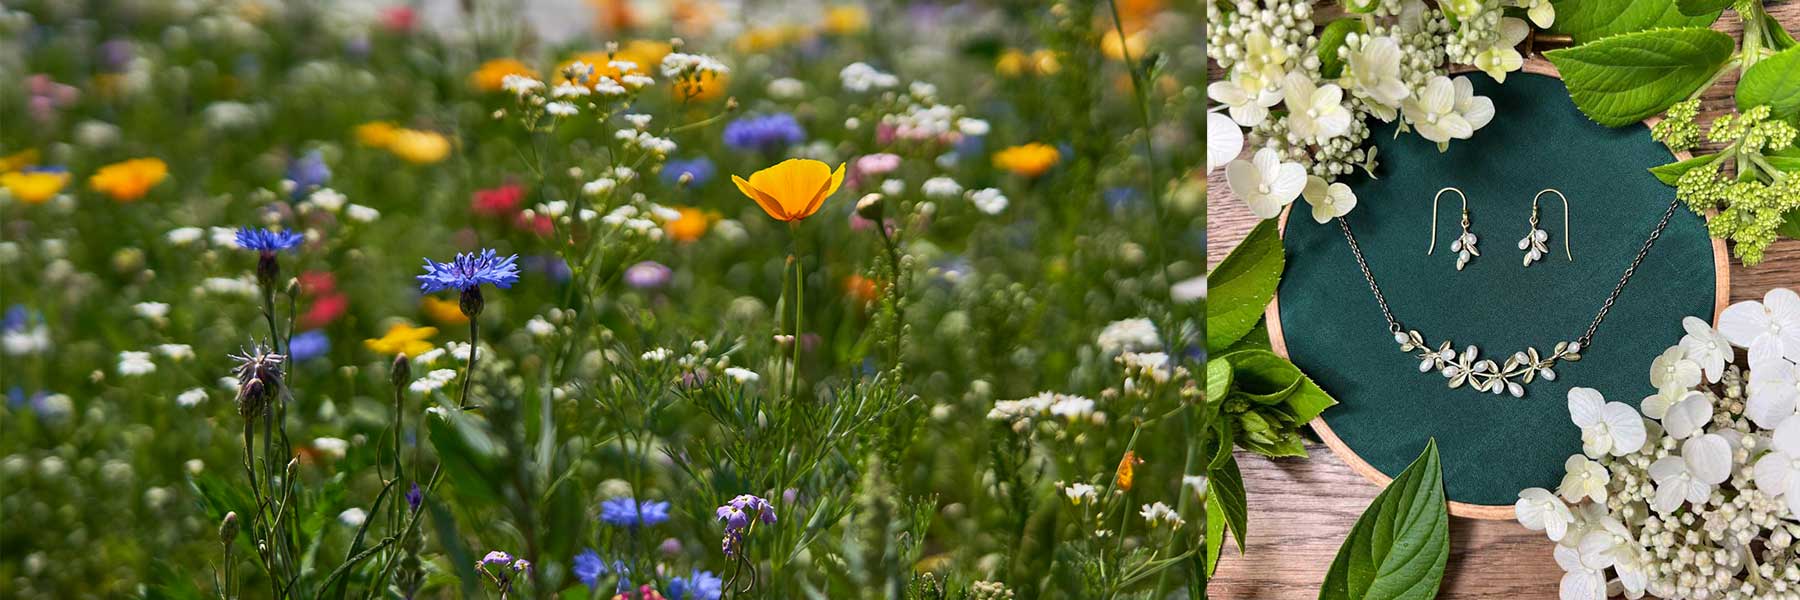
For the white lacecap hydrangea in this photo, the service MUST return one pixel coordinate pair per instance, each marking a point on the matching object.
(1697, 496)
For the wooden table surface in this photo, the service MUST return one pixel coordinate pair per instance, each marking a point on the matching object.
(1300, 510)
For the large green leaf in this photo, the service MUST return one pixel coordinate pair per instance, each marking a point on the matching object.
(1774, 81)
(1227, 507)
(1241, 286)
(1672, 172)
(1698, 8)
(1589, 20)
(1261, 373)
(1622, 79)
(1398, 547)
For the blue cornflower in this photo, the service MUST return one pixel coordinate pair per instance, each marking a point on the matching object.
(308, 345)
(588, 567)
(308, 173)
(625, 511)
(700, 585)
(771, 132)
(699, 170)
(468, 271)
(267, 241)
(17, 317)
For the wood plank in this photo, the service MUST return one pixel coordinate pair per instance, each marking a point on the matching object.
(1300, 510)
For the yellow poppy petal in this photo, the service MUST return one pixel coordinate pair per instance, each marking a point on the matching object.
(826, 189)
(769, 205)
(792, 183)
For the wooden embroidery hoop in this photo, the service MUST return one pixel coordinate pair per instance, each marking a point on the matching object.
(1278, 343)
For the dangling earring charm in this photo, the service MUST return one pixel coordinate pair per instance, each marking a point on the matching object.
(1464, 246)
(1534, 241)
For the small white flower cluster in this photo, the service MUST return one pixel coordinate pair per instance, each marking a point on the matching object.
(1159, 513)
(1023, 412)
(860, 77)
(659, 146)
(1129, 335)
(632, 220)
(433, 381)
(1699, 496)
(986, 200)
(678, 65)
(1397, 68)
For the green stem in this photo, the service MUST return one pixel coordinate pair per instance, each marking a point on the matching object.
(799, 305)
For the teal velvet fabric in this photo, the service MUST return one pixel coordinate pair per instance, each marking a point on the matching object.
(1493, 446)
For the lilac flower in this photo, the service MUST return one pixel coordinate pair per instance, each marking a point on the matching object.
(765, 133)
(700, 585)
(268, 242)
(628, 512)
(700, 170)
(309, 345)
(414, 496)
(468, 271)
(738, 516)
(308, 173)
(588, 568)
(647, 275)
(496, 557)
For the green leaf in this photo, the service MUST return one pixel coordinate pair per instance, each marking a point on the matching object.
(1671, 172)
(1261, 372)
(1622, 79)
(1589, 20)
(1398, 547)
(1774, 81)
(1218, 380)
(1790, 226)
(1257, 339)
(1241, 286)
(1227, 506)
(1698, 8)
(1330, 40)
(1779, 39)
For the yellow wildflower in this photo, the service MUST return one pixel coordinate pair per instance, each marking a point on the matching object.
(492, 73)
(1113, 49)
(419, 147)
(793, 189)
(403, 339)
(128, 181)
(1029, 160)
(447, 312)
(1128, 469)
(376, 134)
(34, 186)
(845, 19)
(18, 160)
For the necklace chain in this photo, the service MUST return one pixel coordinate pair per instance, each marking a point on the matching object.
(1586, 337)
(1488, 375)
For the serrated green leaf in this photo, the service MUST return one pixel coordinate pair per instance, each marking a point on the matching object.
(1623, 79)
(1697, 8)
(1398, 547)
(1671, 172)
(1218, 380)
(1261, 372)
(1242, 285)
(1330, 40)
(1774, 81)
(1227, 507)
(1257, 339)
(1589, 20)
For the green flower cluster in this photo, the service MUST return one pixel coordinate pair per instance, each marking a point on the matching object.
(1679, 130)
(1753, 131)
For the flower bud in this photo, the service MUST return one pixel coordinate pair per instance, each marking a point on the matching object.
(401, 373)
(267, 269)
(251, 398)
(869, 207)
(228, 528)
(471, 301)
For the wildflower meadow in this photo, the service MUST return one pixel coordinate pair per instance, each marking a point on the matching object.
(678, 300)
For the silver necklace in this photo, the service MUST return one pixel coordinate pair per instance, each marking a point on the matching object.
(1483, 374)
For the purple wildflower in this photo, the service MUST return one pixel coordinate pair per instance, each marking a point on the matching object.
(414, 496)
(765, 133)
(268, 242)
(470, 270)
(309, 345)
(628, 512)
(588, 567)
(698, 170)
(738, 515)
(698, 585)
(496, 557)
(308, 173)
(647, 275)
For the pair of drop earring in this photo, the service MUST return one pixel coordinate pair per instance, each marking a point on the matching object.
(1533, 244)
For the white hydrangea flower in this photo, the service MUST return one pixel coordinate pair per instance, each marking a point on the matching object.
(1247, 106)
(1263, 64)
(1542, 12)
(1224, 141)
(1329, 201)
(1705, 346)
(1315, 112)
(1657, 405)
(1688, 416)
(1579, 581)
(1539, 510)
(1265, 182)
(1583, 479)
(1606, 427)
(1447, 110)
(1774, 392)
(1769, 329)
(1373, 73)
(1503, 57)
(1778, 472)
(1674, 370)
(1612, 545)
(1703, 464)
